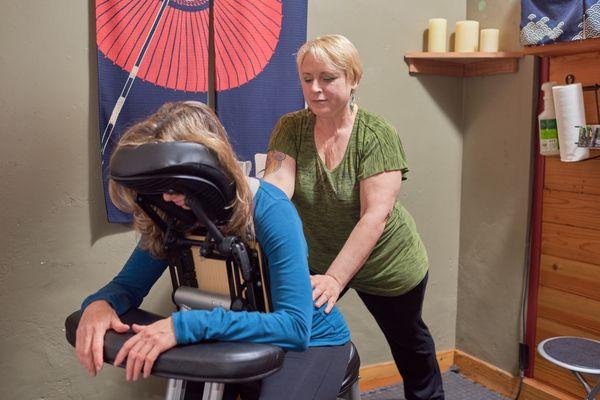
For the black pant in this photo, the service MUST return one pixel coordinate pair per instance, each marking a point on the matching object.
(409, 339)
(314, 374)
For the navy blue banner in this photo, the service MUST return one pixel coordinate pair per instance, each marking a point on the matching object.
(156, 51)
(250, 111)
(547, 22)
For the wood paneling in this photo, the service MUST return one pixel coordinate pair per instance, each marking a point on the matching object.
(536, 390)
(574, 209)
(591, 112)
(568, 301)
(570, 276)
(569, 309)
(548, 328)
(578, 177)
(579, 244)
(557, 377)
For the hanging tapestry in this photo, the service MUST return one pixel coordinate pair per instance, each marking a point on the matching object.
(251, 93)
(155, 51)
(591, 23)
(546, 22)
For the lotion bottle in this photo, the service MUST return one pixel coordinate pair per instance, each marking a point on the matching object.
(548, 131)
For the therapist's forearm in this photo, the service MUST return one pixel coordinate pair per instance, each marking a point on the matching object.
(357, 248)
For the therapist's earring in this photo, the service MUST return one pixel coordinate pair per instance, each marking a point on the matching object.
(352, 101)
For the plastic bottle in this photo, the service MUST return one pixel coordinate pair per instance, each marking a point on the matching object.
(547, 123)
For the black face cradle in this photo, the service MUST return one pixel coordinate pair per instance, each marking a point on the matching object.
(191, 169)
(182, 167)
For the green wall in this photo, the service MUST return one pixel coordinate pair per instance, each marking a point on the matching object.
(495, 198)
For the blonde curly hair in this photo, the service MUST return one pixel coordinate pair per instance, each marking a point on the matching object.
(188, 121)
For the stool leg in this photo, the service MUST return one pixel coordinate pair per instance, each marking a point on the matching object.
(592, 392)
(213, 391)
(352, 394)
(355, 392)
(175, 389)
(595, 391)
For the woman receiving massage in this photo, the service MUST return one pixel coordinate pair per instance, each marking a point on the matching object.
(316, 343)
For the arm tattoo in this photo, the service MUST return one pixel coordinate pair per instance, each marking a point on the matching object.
(274, 161)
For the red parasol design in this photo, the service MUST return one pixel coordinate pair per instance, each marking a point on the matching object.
(166, 42)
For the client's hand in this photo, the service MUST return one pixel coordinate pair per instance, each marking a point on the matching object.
(97, 318)
(143, 349)
(326, 289)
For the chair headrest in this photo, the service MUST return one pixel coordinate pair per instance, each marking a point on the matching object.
(182, 167)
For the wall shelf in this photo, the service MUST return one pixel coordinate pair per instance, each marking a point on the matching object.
(564, 48)
(463, 64)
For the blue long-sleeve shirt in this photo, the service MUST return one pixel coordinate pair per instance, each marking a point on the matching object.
(294, 323)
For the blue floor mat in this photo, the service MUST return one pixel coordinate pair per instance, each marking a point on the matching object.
(456, 387)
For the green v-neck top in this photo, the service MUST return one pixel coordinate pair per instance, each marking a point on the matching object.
(328, 201)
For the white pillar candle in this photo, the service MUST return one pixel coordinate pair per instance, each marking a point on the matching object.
(437, 35)
(489, 40)
(467, 36)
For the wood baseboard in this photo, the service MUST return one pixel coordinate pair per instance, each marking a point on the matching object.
(474, 369)
(486, 374)
(384, 374)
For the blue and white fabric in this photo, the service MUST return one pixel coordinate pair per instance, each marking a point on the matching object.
(547, 22)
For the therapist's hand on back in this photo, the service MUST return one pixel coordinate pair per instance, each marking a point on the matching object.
(326, 289)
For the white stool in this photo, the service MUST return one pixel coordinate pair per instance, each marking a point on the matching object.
(578, 355)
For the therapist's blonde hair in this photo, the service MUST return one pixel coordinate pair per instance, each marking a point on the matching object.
(189, 121)
(335, 50)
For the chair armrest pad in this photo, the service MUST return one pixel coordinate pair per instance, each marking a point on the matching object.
(223, 362)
